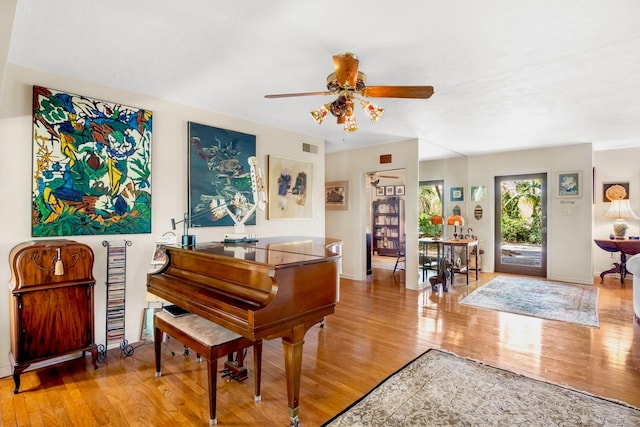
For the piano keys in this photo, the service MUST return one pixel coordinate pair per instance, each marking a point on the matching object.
(276, 287)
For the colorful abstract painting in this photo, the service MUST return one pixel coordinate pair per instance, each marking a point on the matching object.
(220, 189)
(91, 166)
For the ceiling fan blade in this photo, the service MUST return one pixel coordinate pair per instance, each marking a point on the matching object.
(389, 176)
(287, 95)
(346, 65)
(422, 92)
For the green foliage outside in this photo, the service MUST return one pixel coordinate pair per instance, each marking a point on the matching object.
(429, 204)
(521, 212)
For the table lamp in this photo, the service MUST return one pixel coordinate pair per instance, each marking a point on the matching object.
(455, 220)
(437, 220)
(619, 210)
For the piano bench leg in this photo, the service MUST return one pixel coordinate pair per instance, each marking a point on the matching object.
(217, 342)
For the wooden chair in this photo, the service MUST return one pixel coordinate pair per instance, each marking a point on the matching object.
(400, 257)
(209, 340)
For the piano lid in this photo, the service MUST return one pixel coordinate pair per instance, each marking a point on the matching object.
(272, 250)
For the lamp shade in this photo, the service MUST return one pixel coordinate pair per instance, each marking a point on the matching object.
(437, 220)
(620, 209)
(455, 220)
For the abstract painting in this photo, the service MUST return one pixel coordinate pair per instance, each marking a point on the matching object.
(91, 166)
(290, 184)
(220, 189)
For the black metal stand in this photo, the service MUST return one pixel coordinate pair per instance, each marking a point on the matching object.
(116, 297)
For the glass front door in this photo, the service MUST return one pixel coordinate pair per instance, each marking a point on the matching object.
(521, 224)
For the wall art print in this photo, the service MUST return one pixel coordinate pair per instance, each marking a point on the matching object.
(569, 184)
(91, 166)
(290, 184)
(219, 176)
(456, 194)
(336, 195)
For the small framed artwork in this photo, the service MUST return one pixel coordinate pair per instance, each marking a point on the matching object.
(399, 190)
(478, 193)
(336, 195)
(389, 190)
(456, 194)
(380, 191)
(617, 193)
(159, 257)
(569, 184)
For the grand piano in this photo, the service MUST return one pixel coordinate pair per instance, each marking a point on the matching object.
(273, 288)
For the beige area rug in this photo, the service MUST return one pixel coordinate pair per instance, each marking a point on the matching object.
(386, 262)
(568, 302)
(440, 388)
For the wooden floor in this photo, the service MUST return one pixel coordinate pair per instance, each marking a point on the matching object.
(378, 327)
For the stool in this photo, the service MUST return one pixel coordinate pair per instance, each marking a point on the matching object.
(209, 340)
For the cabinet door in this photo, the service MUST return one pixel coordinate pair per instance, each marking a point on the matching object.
(54, 322)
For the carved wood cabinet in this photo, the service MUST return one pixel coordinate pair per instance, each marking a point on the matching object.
(51, 304)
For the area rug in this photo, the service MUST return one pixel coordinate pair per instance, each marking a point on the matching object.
(440, 388)
(567, 302)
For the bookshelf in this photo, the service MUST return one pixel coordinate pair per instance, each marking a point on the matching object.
(388, 226)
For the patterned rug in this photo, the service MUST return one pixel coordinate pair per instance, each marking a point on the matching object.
(440, 388)
(567, 302)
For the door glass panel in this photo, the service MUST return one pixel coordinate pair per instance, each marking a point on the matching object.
(430, 205)
(521, 224)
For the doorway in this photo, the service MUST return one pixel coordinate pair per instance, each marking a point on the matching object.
(385, 219)
(521, 224)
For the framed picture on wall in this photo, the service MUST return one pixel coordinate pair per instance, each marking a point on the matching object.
(399, 190)
(380, 191)
(569, 184)
(606, 186)
(389, 190)
(478, 193)
(91, 166)
(290, 184)
(336, 195)
(218, 162)
(456, 194)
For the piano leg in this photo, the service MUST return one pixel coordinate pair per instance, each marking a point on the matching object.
(292, 344)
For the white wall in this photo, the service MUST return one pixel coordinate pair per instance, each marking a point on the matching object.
(350, 225)
(169, 185)
(569, 240)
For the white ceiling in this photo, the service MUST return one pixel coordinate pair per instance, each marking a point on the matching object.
(508, 75)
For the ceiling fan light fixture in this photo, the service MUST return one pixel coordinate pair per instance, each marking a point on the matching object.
(338, 107)
(350, 123)
(319, 114)
(373, 111)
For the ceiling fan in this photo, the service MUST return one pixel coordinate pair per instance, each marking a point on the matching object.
(349, 85)
(374, 177)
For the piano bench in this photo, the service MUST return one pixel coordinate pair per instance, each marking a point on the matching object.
(209, 340)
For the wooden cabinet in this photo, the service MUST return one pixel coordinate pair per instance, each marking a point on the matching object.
(388, 226)
(51, 305)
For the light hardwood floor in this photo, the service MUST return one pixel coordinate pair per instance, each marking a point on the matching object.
(378, 327)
